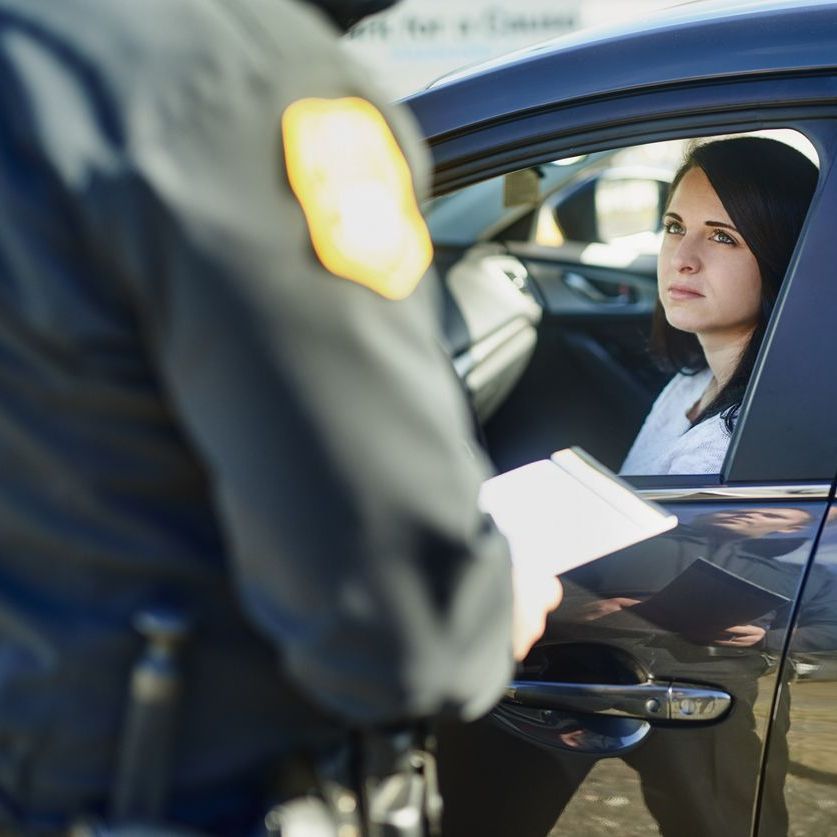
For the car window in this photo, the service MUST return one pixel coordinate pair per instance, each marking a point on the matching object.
(551, 283)
(619, 203)
(479, 211)
(627, 206)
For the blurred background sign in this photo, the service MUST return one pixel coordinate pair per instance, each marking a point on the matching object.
(420, 40)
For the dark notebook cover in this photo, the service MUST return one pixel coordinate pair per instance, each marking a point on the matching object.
(703, 601)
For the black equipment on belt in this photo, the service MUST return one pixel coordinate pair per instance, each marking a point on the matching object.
(379, 784)
(144, 759)
(382, 784)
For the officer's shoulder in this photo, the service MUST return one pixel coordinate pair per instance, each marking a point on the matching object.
(194, 35)
(132, 44)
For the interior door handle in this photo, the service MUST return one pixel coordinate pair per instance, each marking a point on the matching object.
(583, 286)
(649, 701)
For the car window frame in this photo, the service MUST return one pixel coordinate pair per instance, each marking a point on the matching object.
(715, 109)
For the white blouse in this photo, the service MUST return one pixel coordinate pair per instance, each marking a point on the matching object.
(668, 444)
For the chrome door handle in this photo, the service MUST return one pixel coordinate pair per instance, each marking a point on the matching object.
(649, 701)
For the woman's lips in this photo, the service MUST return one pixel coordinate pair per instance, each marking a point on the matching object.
(681, 293)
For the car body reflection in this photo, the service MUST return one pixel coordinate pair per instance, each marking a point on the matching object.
(726, 579)
(803, 741)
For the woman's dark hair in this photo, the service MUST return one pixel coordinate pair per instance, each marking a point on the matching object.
(765, 187)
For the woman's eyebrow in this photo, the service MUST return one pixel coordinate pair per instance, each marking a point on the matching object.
(720, 224)
(707, 223)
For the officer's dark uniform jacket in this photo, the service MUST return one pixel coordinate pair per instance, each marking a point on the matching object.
(194, 412)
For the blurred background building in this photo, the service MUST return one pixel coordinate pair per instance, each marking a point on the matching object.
(420, 40)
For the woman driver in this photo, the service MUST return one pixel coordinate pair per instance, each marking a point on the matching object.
(735, 210)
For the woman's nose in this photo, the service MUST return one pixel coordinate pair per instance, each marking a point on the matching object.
(685, 257)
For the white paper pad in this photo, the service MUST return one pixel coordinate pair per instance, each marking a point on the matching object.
(563, 512)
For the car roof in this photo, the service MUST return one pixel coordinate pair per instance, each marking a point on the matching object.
(712, 39)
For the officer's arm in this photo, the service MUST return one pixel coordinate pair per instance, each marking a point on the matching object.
(329, 420)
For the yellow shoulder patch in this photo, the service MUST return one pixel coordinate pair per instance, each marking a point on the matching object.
(355, 188)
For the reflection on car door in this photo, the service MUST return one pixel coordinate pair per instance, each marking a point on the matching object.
(801, 761)
(679, 691)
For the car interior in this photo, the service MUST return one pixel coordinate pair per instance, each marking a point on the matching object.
(548, 281)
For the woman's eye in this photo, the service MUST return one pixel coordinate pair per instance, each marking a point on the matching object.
(722, 238)
(673, 228)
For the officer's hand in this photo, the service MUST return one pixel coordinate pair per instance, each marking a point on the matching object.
(535, 595)
(604, 607)
(742, 636)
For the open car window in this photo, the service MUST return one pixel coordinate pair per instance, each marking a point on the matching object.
(549, 279)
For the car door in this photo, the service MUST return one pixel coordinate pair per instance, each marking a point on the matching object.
(629, 725)
(654, 722)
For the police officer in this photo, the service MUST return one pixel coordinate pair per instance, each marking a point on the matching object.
(221, 395)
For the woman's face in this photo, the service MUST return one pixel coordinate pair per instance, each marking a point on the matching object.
(707, 277)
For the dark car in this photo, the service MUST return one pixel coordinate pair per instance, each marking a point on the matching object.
(551, 169)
